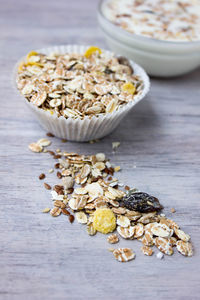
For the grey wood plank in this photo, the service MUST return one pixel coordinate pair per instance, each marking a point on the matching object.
(42, 257)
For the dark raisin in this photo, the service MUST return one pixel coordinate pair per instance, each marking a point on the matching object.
(141, 202)
(50, 134)
(108, 71)
(124, 61)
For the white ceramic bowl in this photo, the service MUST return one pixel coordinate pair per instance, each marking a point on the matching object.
(158, 58)
(88, 128)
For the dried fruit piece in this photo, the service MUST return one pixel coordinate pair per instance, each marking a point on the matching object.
(164, 245)
(141, 202)
(129, 87)
(34, 147)
(104, 220)
(127, 232)
(147, 250)
(182, 235)
(124, 254)
(55, 212)
(113, 238)
(123, 221)
(92, 50)
(185, 248)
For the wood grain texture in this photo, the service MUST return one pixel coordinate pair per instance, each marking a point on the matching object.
(47, 258)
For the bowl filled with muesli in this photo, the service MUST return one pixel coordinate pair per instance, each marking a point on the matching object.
(80, 93)
(162, 36)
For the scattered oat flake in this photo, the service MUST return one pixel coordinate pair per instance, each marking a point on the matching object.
(164, 246)
(44, 142)
(115, 145)
(123, 221)
(117, 168)
(90, 229)
(185, 248)
(147, 250)
(51, 170)
(113, 238)
(124, 254)
(173, 210)
(55, 212)
(34, 147)
(81, 217)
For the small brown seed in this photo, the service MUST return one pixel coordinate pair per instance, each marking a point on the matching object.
(51, 152)
(59, 175)
(173, 210)
(42, 176)
(47, 186)
(56, 166)
(71, 218)
(63, 141)
(127, 188)
(70, 191)
(57, 156)
(50, 134)
(65, 212)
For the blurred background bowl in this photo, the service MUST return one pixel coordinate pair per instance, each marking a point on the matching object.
(157, 57)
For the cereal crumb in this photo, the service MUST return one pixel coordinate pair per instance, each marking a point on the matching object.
(46, 210)
(159, 255)
(115, 145)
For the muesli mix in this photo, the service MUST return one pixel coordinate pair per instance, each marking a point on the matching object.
(89, 193)
(160, 19)
(78, 85)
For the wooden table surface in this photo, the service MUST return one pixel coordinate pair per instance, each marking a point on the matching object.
(47, 258)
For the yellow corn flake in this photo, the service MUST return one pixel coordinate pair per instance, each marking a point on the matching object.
(104, 220)
(33, 63)
(92, 50)
(129, 87)
(21, 66)
(32, 53)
